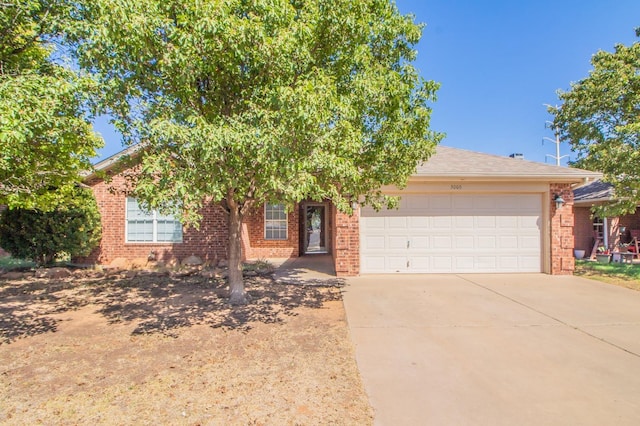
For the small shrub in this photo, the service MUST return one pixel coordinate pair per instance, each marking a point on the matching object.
(8, 263)
(260, 265)
(72, 227)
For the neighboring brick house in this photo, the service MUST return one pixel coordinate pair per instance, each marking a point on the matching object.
(462, 211)
(609, 231)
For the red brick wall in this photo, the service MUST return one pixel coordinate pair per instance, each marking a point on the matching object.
(562, 238)
(254, 244)
(583, 230)
(346, 242)
(209, 242)
(631, 221)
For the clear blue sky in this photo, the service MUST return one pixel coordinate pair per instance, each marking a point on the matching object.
(498, 62)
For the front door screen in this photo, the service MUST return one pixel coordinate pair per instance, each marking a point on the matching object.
(315, 228)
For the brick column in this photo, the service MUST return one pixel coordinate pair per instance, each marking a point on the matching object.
(346, 247)
(562, 222)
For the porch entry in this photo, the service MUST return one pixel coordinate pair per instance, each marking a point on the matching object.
(315, 236)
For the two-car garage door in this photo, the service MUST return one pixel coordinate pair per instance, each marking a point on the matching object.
(454, 233)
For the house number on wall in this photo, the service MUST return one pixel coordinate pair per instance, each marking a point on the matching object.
(456, 187)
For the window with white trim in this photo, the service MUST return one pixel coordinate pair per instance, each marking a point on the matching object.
(598, 228)
(275, 222)
(150, 227)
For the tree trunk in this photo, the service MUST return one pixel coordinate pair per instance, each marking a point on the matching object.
(236, 285)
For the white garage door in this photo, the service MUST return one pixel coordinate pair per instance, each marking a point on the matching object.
(454, 233)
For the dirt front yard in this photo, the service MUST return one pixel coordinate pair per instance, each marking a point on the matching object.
(161, 349)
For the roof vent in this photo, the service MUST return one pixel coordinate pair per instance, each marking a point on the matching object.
(517, 156)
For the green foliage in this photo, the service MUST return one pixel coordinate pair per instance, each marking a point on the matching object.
(619, 270)
(46, 137)
(249, 101)
(71, 227)
(8, 263)
(600, 118)
(622, 274)
(254, 101)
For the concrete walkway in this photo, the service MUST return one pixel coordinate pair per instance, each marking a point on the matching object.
(526, 349)
(310, 269)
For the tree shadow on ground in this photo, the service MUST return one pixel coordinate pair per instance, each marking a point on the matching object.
(154, 303)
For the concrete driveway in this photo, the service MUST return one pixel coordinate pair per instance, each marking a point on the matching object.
(525, 349)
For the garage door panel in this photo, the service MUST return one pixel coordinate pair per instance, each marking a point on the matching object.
(508, 242)
(442, 263)
(463, 242)
(416, 203)
(419, 263)
(417, 223)
(510, 222)
(486, 263)
(373, 242)
(509, 264)
(487, 203)
(463, 222)
(486, 222)
(374, 264)
(397, 263)
(440, 202)
(397, 242)
(396, 223)
(464, 263)
(529, 222)
(373, 223)
(442, 222)
(532, 243)
(526, 202)
(442, 242)
(529, 262)
(487, 242)
(419, 243)
(455, 233)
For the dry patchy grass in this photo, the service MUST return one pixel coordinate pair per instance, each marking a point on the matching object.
(163, 350)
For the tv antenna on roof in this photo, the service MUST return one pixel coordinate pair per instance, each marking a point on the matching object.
(556, 141)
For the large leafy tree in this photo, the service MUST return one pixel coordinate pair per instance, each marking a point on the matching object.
(244, 102)
(46, 137)
(600, 118)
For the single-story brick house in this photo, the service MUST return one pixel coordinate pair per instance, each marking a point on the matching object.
(462, 211)
(610, 231)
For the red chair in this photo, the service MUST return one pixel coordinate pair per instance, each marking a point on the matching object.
(633, 245)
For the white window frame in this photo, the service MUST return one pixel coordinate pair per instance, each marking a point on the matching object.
(154, 220)
(281, 207)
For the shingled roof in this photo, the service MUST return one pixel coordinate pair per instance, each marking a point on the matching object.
(451, 163)
(593, 193)
(454, 163)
